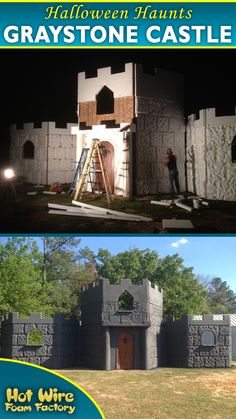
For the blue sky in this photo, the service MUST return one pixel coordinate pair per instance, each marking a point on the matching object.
(214, 256)
(208, 255)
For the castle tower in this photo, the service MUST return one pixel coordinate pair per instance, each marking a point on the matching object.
(211, 155)
(43, 153)
(121, 325)
(136, 116)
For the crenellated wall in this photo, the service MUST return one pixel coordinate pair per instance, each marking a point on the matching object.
(148, 118)
(54, 153)
(210, 170)
(186, 346)
(60, 345)
(201, 341)
(151, 106)
(102, 318)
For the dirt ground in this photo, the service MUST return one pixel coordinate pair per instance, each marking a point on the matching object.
(29, 214)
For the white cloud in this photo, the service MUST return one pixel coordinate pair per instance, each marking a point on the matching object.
(179, 243)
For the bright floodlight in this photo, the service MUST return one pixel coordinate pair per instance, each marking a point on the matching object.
(9, 173)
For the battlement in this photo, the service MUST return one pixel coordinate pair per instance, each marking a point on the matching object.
(124, 283)
(38, 318)
(209, 319)
(200, 319)
(151, 82)
(90, 286)
(106, 72)
(104, 292)
(42, 128)
(208, 117)
(121, 84)
(111, 71)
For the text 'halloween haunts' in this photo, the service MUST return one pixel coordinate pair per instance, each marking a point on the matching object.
(79, 11)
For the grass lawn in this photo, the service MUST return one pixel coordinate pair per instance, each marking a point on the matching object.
(161, 393)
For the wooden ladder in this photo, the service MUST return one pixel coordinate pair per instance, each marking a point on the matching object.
(88, 170)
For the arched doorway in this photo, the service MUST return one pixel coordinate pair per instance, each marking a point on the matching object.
(107, 152)
(125, 351)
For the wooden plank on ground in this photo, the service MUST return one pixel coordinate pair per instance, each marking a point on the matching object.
(70, 208)
(92, 215)
(183, 206)
(163, 203)
(108, 211)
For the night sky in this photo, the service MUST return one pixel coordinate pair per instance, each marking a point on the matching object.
(41, 85)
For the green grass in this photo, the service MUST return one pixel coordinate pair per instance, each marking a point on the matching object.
(162, 393)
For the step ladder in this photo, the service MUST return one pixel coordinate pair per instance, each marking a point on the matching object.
(89, 171)
(79, 168)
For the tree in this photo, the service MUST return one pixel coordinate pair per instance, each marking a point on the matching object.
(182, 292)
(134, 264)
(221, 298)
(63, 274)
(24, 287)
(59, 257)
(20, 285)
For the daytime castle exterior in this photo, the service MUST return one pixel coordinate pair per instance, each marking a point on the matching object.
(121, 327)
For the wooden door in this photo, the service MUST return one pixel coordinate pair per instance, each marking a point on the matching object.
(125, 351)
(107, 151)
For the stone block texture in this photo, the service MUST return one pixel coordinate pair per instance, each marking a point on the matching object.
(153, 105)
(54, 153)
(112, 335)
(211, 173)
(186, 346)
(146, 118)
(155, 133)
(160, 125)
(101, 315)
(60, 347)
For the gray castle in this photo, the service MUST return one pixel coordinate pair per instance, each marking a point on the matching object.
(121, 327)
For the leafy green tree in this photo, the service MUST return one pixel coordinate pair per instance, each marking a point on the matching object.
(63, 274)
(220, 297)
(48, 281)
(134, 264)
(183, 294)
(60, 255)
(20, 285)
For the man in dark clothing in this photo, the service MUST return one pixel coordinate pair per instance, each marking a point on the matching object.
(170, 162)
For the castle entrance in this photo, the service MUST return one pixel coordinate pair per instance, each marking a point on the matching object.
(107, 151)
(125, 351)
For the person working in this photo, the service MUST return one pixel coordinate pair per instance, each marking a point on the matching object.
(170, 162)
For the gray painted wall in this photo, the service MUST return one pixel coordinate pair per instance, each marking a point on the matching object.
(102, 321)
(60, 346)
(92, 342)
(233, 331)
(185, 347)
